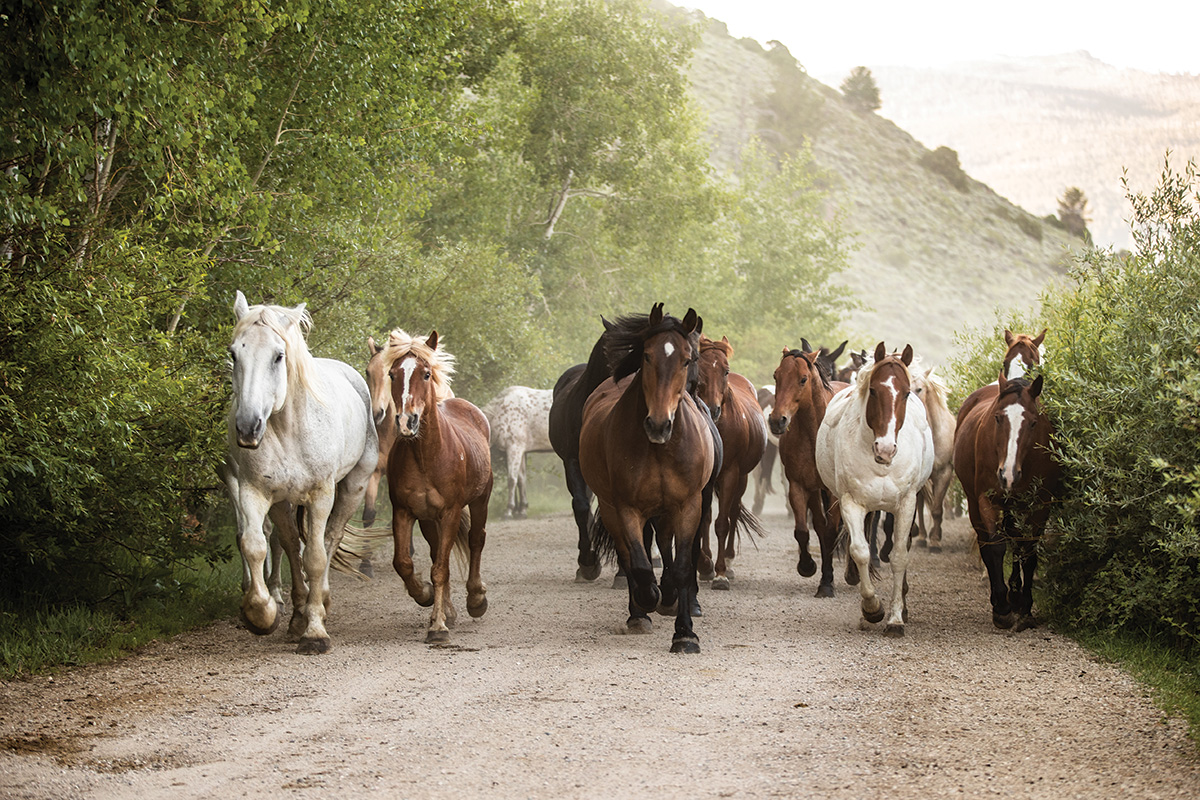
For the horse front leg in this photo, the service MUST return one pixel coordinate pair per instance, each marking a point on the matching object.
(683, 571)
(477, 603)
(899, 560)
(854, 517)
(798, 500)
(937, 506)
(984, 519)
(443, 614)
(826, 522)
(581, 507)
(317, 514)
(706, 568)
(728, 498)
(627, 529)
(259, 610)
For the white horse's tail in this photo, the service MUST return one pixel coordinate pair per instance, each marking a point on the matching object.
(358, 544)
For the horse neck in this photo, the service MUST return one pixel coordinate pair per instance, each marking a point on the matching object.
(813, 411)
(596, 371)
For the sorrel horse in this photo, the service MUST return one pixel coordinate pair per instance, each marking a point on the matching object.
(802, 393)
(647, 451)
(520, 420)
(932, 498)
(440, 465)
(301, 447)
(1008, 472)
(733, 404)
(875, 451)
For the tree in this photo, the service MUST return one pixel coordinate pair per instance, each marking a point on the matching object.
(860, 90)
(1073, 213)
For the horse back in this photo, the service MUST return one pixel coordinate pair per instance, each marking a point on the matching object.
(743, 429)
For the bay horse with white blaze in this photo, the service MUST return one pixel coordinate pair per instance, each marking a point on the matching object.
(300, 447)
(648, 452)
(440, 465)
(875, 452)
(1004, 461)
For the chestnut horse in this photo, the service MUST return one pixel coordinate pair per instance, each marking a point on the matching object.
(439, 465)
(1009, 475)
(733, 404)
(875, 452)
(647, 451)
(802, 393)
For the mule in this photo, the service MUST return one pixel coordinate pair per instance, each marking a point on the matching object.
(802, 394)
(300, 447)
(733, 404)
(440, 465)
(520, 421)
(647, 451)
(875, 452)
(1004, 461)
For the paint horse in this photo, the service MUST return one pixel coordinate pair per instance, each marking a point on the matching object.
(1004, 461)
(933, 393)
(875, 452)
(520, 421)
(647, 451)
(733, 405)
(440, 465)
(802, 394)
(301, 446)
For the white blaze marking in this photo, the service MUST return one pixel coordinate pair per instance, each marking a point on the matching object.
(890, 436)
(1015, 414)
(668, 348)
(408, 365)
(1017, 368)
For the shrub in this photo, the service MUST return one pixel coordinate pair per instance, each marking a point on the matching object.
(944, 162)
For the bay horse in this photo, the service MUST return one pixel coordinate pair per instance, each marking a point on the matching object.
(933, 393)
(802, 393)
(875, 452)
(300, 448)
(440, 465)
(520, 421)
(733, 404)
(647, 451)
(1004, 461)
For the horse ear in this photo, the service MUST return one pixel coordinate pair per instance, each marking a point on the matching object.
(1037, 340)
(1002, 382)
(240, 306)
(1008, 337)
(836, 354)
(1035, 388)
(432, 340)
(691, 321)
(804, 345)
(656, 314)
(880, 352)
(699, 324)
(786, 351)
(907, 355)
(608, 326)
(725, 339)
(372, 348)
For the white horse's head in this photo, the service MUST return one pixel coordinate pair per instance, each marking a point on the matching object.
(886, 385)
(268, 355)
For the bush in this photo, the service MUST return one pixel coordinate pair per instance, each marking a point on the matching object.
(944, 162)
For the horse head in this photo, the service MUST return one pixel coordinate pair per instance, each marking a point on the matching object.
(1023, 353)
(888, 387)
(1017, 417)
(713, 381)
(797, 378)
(378, 382)
(664, 349)
(419, 376)
(265, 353)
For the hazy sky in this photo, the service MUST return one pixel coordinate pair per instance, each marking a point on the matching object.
(832, 36)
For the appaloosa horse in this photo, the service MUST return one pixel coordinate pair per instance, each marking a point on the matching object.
(732, 403)
(1004, 461)
(520, 420)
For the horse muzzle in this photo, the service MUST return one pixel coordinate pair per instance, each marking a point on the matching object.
(378, 416)
(658, 432)
(1008, 481)
(778, 424)
(714, 412)
(408, 424)
(250, 433)
(884, 452)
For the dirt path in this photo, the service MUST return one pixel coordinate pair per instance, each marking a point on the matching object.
(546, 697)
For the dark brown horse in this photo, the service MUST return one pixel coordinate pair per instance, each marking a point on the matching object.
(802, 393)
(440, 464)
(647, 451)
(1008, 472)
(733, 404)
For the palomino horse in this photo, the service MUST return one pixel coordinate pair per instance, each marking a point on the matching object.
(301, 447)
(875, 452)
(383, 412)
(933, 392)
(732, 403)
(1008, 472)
(520, 420)
(648, 452)
(802, 393)
(440, 464)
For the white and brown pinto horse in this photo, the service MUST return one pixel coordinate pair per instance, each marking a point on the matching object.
(875, 452)
(520, 420)
(301, 446)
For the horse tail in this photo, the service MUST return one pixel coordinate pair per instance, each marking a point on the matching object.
(743, 520)
(462, 540)
(602, 540)
(357, 545)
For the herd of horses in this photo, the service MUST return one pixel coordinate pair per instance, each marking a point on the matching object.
(658, 433)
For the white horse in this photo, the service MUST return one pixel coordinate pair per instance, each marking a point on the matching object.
(933, 393)
(520, 420)
(301, 446)
(875, 452)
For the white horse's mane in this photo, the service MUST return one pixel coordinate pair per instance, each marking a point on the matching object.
(291, 325)
(441, 363)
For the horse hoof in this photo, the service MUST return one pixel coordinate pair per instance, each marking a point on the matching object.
(437, 637)
(477, 610)
(729, 572)
(1004, 621)
(314, 647)
(935, 548)
(873, 616)
(620, 582)
(668, 611)
(806, 567)
(262, 630)
(706, 576)
(893, 630)
(296, 628)
(922, 543)
(639, 625)
(587, 573)
(648, 598)
(721, 583)
(824, 590)
(685, 644)
(1025, 622)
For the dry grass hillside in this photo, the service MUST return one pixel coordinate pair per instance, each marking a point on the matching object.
(931, 259)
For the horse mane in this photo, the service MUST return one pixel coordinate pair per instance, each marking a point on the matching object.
(291, 325)
(441, 364)
(626, 338)
(937, 388)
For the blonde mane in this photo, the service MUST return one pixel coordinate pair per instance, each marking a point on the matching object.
(938, 391)
(400, 345)
(291, 325)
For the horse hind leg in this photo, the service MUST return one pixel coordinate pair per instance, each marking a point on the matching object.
(477, 602)
(581, 506)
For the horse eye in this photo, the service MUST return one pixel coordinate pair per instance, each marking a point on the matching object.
(278, 357)
(428, 374)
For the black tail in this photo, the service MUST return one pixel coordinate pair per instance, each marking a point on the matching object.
(602, 541)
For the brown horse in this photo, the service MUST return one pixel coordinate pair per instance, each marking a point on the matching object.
(440, 464)
(1022, 353)
(1008, 472)
(802, 393)
(647, 452)
(382, 411)
(733, 404)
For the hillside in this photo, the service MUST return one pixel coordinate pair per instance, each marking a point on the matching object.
(931, 259)
(1031, 127)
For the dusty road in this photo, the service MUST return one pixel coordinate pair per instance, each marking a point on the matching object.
(545, 697)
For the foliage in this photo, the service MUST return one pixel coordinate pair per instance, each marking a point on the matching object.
(860, 91)
(944, 161)
(1073, 213)
(794, 107)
